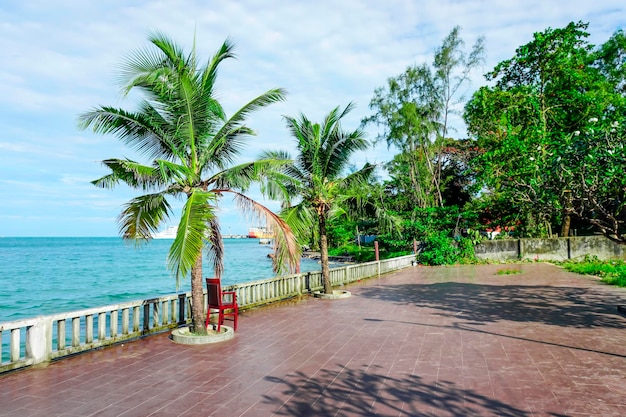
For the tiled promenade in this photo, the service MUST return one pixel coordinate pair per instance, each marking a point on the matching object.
(449, 341)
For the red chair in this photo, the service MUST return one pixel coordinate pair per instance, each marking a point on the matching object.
(216, 302)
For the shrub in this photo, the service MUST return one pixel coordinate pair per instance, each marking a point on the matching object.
(440, 249)
(610, 272)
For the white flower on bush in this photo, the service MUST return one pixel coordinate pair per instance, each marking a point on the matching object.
(576, 133)
(593, 120)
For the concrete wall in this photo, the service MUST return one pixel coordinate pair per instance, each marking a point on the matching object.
(498, 250)
(590, 245)
(544, 249)
(558, 249)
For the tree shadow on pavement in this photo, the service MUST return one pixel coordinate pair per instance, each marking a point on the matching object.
(366, 392)
(480, 303)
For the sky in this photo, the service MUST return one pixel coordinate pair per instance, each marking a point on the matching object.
(59, 59)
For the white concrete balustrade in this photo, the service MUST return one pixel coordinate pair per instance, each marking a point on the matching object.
(45, 338)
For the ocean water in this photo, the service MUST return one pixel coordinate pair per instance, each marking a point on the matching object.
(40, 276)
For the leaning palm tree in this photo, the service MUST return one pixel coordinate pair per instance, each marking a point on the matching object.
(192, 145)
(317, 177)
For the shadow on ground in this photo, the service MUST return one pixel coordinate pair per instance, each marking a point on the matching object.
(366, 393)
(479, 303)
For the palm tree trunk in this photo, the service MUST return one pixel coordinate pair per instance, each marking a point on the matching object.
(328, 289)
(197, 298)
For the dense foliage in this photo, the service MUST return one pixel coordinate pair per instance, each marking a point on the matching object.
(550, 133)
(545, 155)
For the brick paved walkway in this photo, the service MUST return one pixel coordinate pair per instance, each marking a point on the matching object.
(446, 341)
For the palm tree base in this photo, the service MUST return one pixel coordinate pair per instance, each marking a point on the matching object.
(335, 295)
(184, 336)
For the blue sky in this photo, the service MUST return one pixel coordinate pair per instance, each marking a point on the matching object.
(60, 57)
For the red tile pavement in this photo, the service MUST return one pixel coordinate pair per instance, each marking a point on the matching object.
(443, 341)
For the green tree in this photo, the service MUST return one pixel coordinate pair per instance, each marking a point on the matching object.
(408, 111)
(191, 144)
(594, 163)
(414, 110)
(552, 88)
(317, 178)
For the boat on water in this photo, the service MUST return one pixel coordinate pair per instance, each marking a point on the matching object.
(169, 233)
(260, 233)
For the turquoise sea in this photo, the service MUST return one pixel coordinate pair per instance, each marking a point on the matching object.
(40, 276)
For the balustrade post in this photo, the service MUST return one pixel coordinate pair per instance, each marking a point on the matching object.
(135, 319)
(14, 348)
(164, 313)
(113, 328)
(146, 318)
(102, 323)
(61, 334)
(181, 309)
(39, 341)
(172, 311)
(76, 332)
(125, 321)
(89, 328)
(156, 313)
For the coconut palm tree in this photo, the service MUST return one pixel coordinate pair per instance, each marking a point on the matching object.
(191, 145)
(317, 177)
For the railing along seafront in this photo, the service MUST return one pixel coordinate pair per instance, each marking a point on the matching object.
(46, 338)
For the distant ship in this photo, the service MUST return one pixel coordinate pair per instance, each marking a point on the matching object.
(169, 233)
(260, 233)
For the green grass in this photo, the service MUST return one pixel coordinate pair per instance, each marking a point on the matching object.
(610, 272)
(508, 271)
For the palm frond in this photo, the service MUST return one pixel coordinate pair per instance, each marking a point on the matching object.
(279, 177)
(301, 219)
(210, 72)
(132, 173)
(286, 249)
(231, 137)
(287, 164)
(108, 181)
(196, 215)
(143, 131)
(360, 179)
(174, 54)
(215, 247)
(339, 145)
(331, 124)
(269, 97)
(142, 215)
(224, 148)
(241, 176)
(171, 171)
(307, 142)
